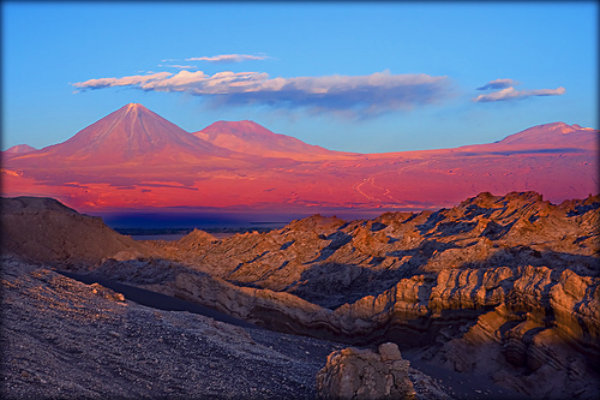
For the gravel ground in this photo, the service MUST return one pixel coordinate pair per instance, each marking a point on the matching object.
(61, 338)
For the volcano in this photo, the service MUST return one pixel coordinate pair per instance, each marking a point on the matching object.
(19, 149)
(134, 159)
(251, 138)
(132, 134)
(555, 135)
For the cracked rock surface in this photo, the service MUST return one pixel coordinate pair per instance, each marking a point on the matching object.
(363, 374)
(497, 292)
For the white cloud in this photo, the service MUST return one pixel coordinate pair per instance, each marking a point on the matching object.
(498, 84)
(125, 81)
(177, 66)
(228, 58)
(362, 95)
(510, 93)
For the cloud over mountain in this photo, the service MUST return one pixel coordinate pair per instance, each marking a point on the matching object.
(363, 95)
(134, 80)
(510, 93)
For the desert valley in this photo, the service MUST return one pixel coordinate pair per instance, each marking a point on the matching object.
(473, 273)
(299, 200)
(496, 297)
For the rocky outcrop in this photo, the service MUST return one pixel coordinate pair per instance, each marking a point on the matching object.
(524, 319)
(331, 263)
(42, 229)
(363, 374)
(541, 340)
(503, 285)
(65, 339)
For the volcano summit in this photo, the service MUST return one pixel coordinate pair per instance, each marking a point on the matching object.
(135, 159)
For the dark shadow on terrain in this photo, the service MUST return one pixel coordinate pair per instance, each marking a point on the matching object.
(409, 333)
(452, 228)
(474, 210)
(157, 300)
(425, 250)
(520, 256)
(286, 245)
(431, 222)
(375, 261)
(463, 384)
(244, 284)
(338, 239)
(377, 226)
(582, 209)
(581, 239)
(283, 265)
(495, 231)
(240, 265)
(331, 285)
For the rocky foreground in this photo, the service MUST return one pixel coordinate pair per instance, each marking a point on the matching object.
(498, 296)
(65, 339)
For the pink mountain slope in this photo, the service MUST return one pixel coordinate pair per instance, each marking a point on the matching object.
(133, 158)
(558, 160)
(19, 149)
(557, 134)
(251, 138)
(129, 135)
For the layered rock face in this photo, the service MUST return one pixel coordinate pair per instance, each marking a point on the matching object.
(331, 262)
(363, 374)
(505, 286)
(545, 331)
(509, 278)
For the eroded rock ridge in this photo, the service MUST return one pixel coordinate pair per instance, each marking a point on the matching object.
(505, 286)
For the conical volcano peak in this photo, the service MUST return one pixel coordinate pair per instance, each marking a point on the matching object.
(131, 132)
(133, 108)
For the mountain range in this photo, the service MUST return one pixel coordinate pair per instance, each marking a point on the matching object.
(135, 159)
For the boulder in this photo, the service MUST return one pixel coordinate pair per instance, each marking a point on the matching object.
(354, 373)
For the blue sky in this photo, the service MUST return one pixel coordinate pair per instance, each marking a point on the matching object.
(347, 76)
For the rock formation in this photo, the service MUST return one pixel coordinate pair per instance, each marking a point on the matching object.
(64, 339)
(363, 374)
(504, 286)
(370, 256)
(42, 229)
(509, 278)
